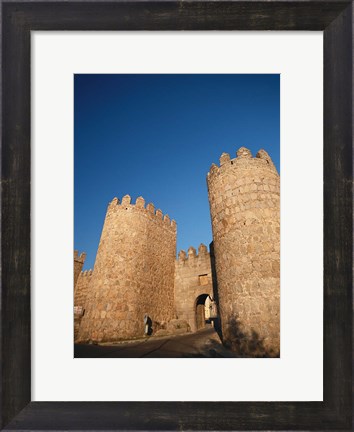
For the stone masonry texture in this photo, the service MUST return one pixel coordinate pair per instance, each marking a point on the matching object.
(244, 199)
(192, 279)
(79, 261)
(133, 273)
(80, 295)
(82, 287)
(136, 271)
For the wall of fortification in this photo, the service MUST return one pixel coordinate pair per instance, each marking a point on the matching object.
(244, 198)
(82, 288)
(79, 261)
(133, 273)
(193, 278)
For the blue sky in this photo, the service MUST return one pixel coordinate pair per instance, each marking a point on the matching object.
(156, 136)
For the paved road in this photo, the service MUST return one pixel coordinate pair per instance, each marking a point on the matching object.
(204, 343)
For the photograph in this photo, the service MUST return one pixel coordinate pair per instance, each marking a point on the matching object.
(176, 216)
(147, 140)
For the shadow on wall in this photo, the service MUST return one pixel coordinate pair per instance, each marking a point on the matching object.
(217, 321)
(246, 344)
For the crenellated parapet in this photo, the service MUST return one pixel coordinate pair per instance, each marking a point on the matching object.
(126, 205)
(191, 256)
(86, 273)
(243, 160)
(79, 261)
(192, 253)
(79, 258)
(243, 184)
(182, 256)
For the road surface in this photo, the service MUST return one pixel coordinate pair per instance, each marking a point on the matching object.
(204, 343)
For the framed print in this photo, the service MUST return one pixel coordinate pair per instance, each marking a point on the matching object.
(54, 63)
(39, 41)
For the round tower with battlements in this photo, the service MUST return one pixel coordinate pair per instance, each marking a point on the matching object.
(133, 273)
(244, 199)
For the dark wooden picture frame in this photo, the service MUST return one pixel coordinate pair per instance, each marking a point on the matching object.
(335, 18)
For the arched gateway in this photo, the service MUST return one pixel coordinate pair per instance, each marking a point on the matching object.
(193, 286)
(200, 313)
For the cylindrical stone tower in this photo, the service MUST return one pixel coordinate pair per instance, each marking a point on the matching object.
(244, 199)
(133, 273)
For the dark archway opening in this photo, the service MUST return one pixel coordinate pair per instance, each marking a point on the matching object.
(200, 311)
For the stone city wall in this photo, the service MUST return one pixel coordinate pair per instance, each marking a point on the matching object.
(193, 278)
(82, 288)
(79, 261)
(133, 273)
(244, 198)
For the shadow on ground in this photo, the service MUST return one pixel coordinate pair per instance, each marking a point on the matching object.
(204, 343)
(212, 349)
